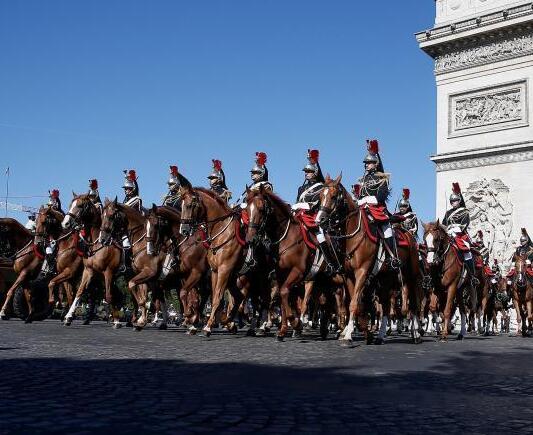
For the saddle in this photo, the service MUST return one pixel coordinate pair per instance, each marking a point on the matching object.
(307, 228)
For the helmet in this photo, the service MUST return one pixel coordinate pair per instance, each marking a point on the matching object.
(495, 266)
(524, 238)
(404, 202)
(312, 162)
(456, 194)
(130, 179)
(93, 188)
(217, 175)
(373, 154)
(259, 168)
(173, 179)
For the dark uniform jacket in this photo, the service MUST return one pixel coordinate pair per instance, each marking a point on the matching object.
(375, 184)
(458, 217)
(309, 193)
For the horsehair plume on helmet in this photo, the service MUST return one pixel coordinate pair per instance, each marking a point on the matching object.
(406, 193)
(480, 234)
(260, 158)
(131, 174)
(54, 193)
(174, 170)
(93, 184)
(217, 165)
(372, 146)
(456, 188)
(524, 233)
(312, 156)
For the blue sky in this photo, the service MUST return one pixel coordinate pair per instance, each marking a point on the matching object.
(92, 88)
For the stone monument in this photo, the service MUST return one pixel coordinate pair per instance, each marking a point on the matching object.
(483, 52)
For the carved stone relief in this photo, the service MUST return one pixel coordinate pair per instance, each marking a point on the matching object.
(491, 211)
(485, 53)
(488, 109)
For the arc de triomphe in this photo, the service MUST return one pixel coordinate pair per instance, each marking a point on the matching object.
(483, 52)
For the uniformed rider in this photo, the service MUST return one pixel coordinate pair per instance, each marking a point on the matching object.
(479, 243)
(94, 194)
(526, 246)
(131, 199)
(457, 221)
(217, 181)
(308, 203)
(49, 262)
(54, 201)
(175, 181)
(409, 220)
(373, 196)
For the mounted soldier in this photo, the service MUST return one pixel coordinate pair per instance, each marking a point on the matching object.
(373, 196)
(409, 220)
(457, 220)
(31, 224)
(50, 251)
(94, 195)
(479, 243)
(175, 181)
(307, 205)
(131, 199)
(217, 181)
(526, 246)
(259, 173)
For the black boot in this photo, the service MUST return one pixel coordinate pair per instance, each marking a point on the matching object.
(47, 268)
(250, 262)
(333, 266)
(393, 259)
(469, 264)
(125, 266)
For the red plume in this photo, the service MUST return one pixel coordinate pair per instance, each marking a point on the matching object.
(260, 158)
(132, 175)
(357, 189)
(93, 184)
(54, 194)
(217, 165)
(480, 234)
(456, 188)
(373, 146)
(174, 170)
(406, 193)
(313, 156)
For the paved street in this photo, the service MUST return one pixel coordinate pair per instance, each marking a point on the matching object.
(93, 379)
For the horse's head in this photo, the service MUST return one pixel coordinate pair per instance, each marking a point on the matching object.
(47, 223)
(114, 222)
(521, 263)
(258, 208)
(81, 212)
(192, 210)
(156, 229)
(435, 237)
(329, 198)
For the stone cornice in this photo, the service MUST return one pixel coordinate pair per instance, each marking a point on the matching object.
(444, 39)
(517, 152)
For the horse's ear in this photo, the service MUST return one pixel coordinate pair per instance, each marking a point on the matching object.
(328, 179)
(115, 201)
(74, 194)
(338, 179)
(154, 207)
(438, 221)
(106, 201)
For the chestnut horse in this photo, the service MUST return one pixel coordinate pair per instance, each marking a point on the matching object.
(446, 268)
(522, 294)
(270, 216)
(26, 258)
(163, 235)
(201, 207)
(99, 260)
(363, 267)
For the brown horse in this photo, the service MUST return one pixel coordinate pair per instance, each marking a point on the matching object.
(446, 269)
(22, 254)
(201, 207)
(270, 216)
(100, 259)
(163, 235)
(365, 268)
(522, 294)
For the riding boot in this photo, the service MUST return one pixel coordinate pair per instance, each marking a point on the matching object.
(393, 259)
(333, 267)
(250, 263)
(469, 264)
(125, 266)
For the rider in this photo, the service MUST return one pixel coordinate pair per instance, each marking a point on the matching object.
(31, 224)
(457, 220)
(54, 201)
(307, 204)
(131, 199)
(409, 221)
(479, 243)
(175, 181)
(526, 246)
(374, 194)
(217, 181)
(48, 266)
(94, 195)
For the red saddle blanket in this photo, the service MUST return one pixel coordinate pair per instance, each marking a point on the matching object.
(307, 223)
(377, 212)
(463, 242)
(512, 272)
(489, 272)
(371, 229)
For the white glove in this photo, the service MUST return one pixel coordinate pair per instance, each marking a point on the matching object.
(367, 200)
(243, 205)
(300, 206)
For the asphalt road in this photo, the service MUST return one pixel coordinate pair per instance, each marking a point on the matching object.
(93, 379)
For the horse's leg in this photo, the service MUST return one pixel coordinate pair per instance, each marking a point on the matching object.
(216, 297)
(108, 283)
(309, 285)
(359, 283)
(141, 293)
(85, 279)
(462, 312)
(452, 289)
(294, 276)
(20, 279)
(518, 313)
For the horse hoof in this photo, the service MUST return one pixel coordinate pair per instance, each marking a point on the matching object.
(370, 340)
(296, 333)
(251, 333)
(28, 320)
(280, 338)
(389, 331)
(4, 317)
(129, 324)
(206, 333)
(379, 341)
(86, 322)
(192, 331)
(135, 327)
(162, 327)
(346, 343)
(67, 322)
(460, 337)
(117, 325)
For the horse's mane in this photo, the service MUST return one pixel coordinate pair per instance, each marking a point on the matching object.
(282, 205)
(347, 197)
(213, 195)
(166, 210)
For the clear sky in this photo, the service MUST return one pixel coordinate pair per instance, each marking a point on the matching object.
(89, 88)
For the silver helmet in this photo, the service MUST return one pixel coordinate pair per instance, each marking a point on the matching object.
(373, 150)
(217, 173)
(129, 179)
(524, 238)
(404, 202)
(173, 179)
(312, 162)
(259, 167)
(456, 193)
(53, 198)
(93, 188)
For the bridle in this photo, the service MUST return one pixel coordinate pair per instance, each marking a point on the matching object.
(82, 213)
(118, 225)
(160, 225)
(49, 222)
(260, 227)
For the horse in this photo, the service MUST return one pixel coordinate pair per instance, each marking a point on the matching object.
(270, 216)
(446, 271)
(364, 270)
(19, 250)
(99, 260)
(501, 303)
(522, 287)
(163, 235)
(205, 209)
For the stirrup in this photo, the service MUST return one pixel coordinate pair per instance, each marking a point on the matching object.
(395, 263)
